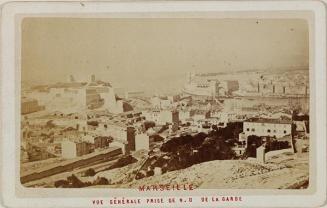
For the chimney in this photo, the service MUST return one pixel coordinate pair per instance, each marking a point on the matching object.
(93, 78)
(258, 87)
(71, 78)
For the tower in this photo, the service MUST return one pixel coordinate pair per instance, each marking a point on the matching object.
(131, 138)
(273, 89)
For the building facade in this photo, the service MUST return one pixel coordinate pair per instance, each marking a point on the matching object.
(142, 142)
(267, 127)
(30, 106)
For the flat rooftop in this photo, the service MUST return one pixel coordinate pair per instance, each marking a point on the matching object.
(268, 120)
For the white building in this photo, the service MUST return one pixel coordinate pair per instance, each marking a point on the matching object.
(165, 104)
(66, 100)
(242, 137)
(267, 127)
(184, 115)
(74, 97)
(68, 149)
(41, 96)
(152, 115)
(155, 102)
(117, 132)
(161, 117)
(142, 142)
(106, 92)
(167, 116)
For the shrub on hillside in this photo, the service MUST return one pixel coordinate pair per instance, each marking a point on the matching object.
(174, 144)
(61, 184)
(89, 172)
(157, 138)
(75, 182)
(123, 162)
(149, 124)
(101, 181)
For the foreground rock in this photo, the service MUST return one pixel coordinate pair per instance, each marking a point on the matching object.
(281, 172)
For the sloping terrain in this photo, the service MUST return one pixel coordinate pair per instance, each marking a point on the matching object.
(284, 171)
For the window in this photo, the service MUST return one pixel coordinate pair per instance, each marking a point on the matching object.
(247, 129)
(268, 131)
(252, 129)
(275, 131)
(285, 131)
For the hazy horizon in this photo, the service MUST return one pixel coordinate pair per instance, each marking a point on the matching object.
(142, 53)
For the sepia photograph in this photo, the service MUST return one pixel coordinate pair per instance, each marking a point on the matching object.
(163, 104)
(159, 104)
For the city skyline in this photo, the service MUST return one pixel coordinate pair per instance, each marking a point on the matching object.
(136, 53)
(128, 113)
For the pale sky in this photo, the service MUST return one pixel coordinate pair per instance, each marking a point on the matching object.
(137, 52)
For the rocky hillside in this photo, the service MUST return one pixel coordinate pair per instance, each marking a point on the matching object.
(286, 171)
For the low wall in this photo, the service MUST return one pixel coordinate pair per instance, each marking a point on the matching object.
(277, 152)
